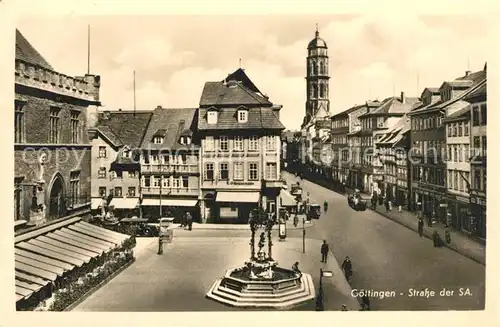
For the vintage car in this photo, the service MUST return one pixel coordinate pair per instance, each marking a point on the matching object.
(313, 211)
(356, 202)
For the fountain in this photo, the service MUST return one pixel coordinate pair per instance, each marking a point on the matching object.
(260, 283)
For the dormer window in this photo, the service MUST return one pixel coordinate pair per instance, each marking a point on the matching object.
(159, 135)
(126, 153)
(212, 116)
(181, 141)
(242, 115)
(188, 140)
(157, 140)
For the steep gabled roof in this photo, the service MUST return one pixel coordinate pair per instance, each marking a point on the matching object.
(175, 122)
(26, 52)
(231, 93)
(240, 76)
(126, 126)
(393, 105)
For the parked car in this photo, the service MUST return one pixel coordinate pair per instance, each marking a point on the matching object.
(313, 211)
(356, 202)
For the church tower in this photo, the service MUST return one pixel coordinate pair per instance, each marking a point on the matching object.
(318, 103)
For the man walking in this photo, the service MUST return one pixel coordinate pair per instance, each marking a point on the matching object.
(324, 251)
(420, 227)
(189, 221)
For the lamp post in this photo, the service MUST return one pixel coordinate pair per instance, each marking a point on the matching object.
(304, 235)
(320, 299)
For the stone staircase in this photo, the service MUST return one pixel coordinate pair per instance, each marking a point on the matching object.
(282, 295)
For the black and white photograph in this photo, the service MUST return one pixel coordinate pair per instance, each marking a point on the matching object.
(250, 162)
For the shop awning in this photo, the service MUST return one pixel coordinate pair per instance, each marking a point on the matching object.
(96, 203)
(170, 202)
(246, 197)
(287, 200)
(124, 203)
(44, 255)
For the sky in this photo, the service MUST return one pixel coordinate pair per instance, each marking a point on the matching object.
(371, 56)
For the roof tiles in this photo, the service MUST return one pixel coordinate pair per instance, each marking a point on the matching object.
(26, 52)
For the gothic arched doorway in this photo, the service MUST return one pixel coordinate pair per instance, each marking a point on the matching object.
(57, 205)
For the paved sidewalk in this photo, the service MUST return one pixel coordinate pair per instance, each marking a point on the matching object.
(460, 242)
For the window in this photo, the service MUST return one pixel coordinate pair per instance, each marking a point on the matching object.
(477, 145)
(450, 179)
(477, 178)
(455, 129)
(253, 143)
(185, 181)
(439, 121)
(270, 143)
(455, 153)
(74, 185)
(223, 171)
(208, 173)
(223, 143)
(238, 171)
(242, 116)
(166, 181)
(102, 152)
(253, 171)
(126, 153)
(75, 127)
(147, 181)
(181, 141)
(19, 128)
(118, 191)
(131, 191)
(155, 159)
(460, 128)
(176, 183)
(466, 153)
(483, 114)
(450, 130)
(54, 131)
(475, 115)
(212, 117)
(111, 192)
(102, 191)
(466, 128)
(238, 143)
(208, 143)
(188, 140)
(460, 182)
(132, 174)
(483, 143)
(271, 171)
(380, 122)
(102, 172)
(157, 140)
(156, 181)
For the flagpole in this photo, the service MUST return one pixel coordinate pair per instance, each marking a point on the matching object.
(134, 92)
(88, 50)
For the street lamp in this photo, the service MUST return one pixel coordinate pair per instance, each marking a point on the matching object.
(319, 300)
(303, 235)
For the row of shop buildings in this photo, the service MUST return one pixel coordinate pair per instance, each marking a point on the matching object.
(216, 162)
(426, 153)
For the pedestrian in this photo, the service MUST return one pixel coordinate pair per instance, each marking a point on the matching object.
(295, 220)
(189, 221)
(344, 308)
(386, 203)
(324, 251)
(420, 227)
(436, 239)
(295, 267)
(390, 206)
(447, 234)
(347, 268)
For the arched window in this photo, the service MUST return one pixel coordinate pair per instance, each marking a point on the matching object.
(314, 91)
(322, 90)
(321, 68)
(314, 69)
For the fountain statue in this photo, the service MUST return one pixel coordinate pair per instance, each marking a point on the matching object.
(260, 282)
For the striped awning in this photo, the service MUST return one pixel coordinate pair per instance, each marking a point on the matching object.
(96, 203)
(44, 255)
(287, 200)
(170, 202)
(246, 197)
(124, 203)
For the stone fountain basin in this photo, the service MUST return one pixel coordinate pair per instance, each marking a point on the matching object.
(283, 280)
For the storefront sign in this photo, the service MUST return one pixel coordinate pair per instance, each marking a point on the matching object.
(240, 183)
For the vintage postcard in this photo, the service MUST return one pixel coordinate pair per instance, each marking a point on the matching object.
(314, 162)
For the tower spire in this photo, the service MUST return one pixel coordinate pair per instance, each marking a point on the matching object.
(317, 30)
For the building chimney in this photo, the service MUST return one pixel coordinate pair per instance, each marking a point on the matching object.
(158, 107)
(403, 99)
(467, 73)
(106, 114)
